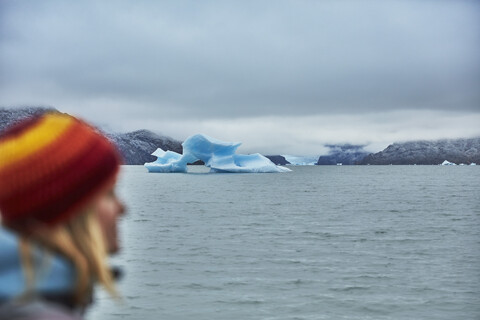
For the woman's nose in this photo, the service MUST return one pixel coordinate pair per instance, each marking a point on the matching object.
(121, 208)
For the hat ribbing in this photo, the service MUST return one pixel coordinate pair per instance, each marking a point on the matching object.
(51, 166)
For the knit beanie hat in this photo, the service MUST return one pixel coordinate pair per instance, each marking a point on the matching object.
(51, 166)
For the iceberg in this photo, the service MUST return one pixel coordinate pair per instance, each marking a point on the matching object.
(166, 162)
(219, 156)
(448, 163)
(300, 161)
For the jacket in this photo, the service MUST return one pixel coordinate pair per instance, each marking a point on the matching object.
(53, 286)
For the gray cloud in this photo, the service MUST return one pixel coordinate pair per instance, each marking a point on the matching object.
(132, 61)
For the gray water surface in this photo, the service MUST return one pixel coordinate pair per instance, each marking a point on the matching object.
(320, 242)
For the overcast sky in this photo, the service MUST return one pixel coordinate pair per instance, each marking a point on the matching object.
(283, 77)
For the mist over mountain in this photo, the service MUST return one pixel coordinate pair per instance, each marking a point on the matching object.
(347, 154)
(427, 152)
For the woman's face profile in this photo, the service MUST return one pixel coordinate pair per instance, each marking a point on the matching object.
(109, 208)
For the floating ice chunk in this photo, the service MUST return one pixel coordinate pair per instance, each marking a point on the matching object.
(473, 164)
(166, 162)
(301, 161)
(448, 163)
(218, 155)
(209, 150)
(242, 163)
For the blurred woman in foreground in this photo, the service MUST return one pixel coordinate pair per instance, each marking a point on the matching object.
(59, 217)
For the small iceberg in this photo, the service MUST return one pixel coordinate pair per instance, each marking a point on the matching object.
(168, 161)
(301, 161)
(218, 155)
(448, 163)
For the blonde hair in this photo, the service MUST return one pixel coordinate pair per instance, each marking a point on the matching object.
(81, 241)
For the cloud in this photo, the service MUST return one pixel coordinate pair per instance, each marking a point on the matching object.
(307, 135)
(237, 64)
(236, 58)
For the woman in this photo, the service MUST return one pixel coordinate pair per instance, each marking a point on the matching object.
(59, 214)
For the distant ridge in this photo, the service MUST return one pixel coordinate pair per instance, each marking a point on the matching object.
(278, 160)
(457, 151)
(10, 116)
(136, 147)
(346, 154)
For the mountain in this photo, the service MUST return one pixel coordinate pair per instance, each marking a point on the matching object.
(345, 154)
(9, 117)
(278, 160)
(428, 152)
(136, 147)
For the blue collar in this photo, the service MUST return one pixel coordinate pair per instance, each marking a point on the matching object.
(53, 274)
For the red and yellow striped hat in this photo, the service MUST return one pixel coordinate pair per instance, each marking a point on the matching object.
(51, 166)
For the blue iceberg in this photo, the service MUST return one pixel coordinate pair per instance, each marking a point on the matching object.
(168, 161)
(301, 161)
(218, 155)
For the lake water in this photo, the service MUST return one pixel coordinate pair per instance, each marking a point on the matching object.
(320, 242)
